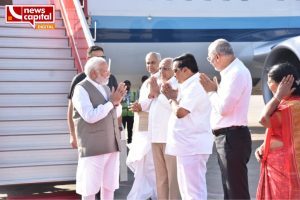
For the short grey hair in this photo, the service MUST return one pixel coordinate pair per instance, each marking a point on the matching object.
(168, 61)
(92, 64)
(221, 46)
(157, 55)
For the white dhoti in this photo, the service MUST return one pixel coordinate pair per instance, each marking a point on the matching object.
(191, 171)
(97, 172)
(140, 161)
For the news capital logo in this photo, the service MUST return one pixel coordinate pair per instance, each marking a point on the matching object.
(38, 16)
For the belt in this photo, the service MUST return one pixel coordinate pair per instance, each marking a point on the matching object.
(222, 131)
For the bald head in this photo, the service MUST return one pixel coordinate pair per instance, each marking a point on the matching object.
(166, 62)
(220, 54)
(165, 66)
(152, 62)
(220, 46)
(154, 54)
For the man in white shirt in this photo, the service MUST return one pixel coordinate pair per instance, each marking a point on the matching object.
(140, 158)
(230, 102)
(97, 131)
(189, 134)
(159, 114)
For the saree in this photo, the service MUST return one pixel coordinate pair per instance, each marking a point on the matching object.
(280, 167)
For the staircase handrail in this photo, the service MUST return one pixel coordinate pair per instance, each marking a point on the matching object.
(78, 31)
(83, 23)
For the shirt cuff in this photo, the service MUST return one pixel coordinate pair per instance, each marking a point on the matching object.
(109, 105)
(211, 93)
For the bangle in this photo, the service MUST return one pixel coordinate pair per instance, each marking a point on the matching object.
(275, 97)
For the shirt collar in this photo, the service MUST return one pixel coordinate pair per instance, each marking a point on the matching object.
(230, 66)
(190, 80)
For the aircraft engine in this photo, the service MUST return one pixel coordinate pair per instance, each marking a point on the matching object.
(285, 51)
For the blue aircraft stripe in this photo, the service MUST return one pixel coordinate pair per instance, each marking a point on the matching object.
(192, 35)
(130, 22)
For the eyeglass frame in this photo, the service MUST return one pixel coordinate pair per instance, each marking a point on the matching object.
(151, 63)
(177, 69)
(211, 58)
(165, 68)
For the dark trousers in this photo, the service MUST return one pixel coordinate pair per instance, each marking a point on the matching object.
(127, 121)
(234, 150)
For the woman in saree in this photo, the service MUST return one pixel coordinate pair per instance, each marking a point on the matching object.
(280, 153)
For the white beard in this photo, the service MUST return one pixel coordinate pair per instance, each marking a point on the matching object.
(102, 81)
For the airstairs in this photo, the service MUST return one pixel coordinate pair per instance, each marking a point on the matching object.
(36, 68)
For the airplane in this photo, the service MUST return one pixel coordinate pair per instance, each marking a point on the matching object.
(34, 68)
(287, 50)
(128, 30)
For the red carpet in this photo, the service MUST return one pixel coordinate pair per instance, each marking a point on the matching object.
(50, 196)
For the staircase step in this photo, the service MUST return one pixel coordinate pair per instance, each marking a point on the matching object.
(30, 142)
(35, 75)
(35, 87)
(38, 157)
(27, 63)
(40, 127)
(30, 32)
(33, 100)
(35, 174)
(6, 52)
(36, 68)
(34, 42)
(58, 24)
(33, 113)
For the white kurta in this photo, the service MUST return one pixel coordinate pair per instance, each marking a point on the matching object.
(95, 171)
(140, 159)
(159, 114)
(191, 134)
(190, 139)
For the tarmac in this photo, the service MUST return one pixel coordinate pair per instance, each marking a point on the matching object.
(213, 176)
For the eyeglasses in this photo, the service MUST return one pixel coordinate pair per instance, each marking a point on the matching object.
(95, 48)
(209, 59)
(164, 68)
(176, 70)
(151, 63)
(103, 71)
(104, 57)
